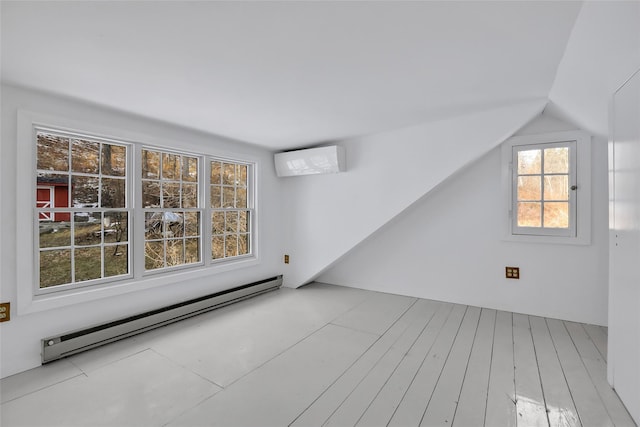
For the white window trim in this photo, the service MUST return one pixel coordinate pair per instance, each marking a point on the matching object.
(250, 207)
(140, 237)
(572, 175)
(583, 181)
(27, 301)
(72, 211)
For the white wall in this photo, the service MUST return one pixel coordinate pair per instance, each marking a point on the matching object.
(448, 247)
(624, 296)
(20, 337)
(603, 51)
(327, 215)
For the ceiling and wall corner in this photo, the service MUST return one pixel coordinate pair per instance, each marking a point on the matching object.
(386, 173)
(288, 74)
(339, 213)
(447, 246)
(20, 338)
(602, 53)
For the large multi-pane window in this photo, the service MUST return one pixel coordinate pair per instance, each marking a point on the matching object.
(81, 209)
(171, 203)
(84, 214)
(544, 189)
(231, 209)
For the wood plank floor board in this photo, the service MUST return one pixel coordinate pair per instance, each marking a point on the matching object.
(530, 403)
(501, 399)
(327, 355)
(414, 403)
(331, 398)
(389, 397)
(473, 396)
(597, 369)
(376, 313)
(350, 411)
(583, 342)
(442, 405)
(561, 409)
(599, 338)
(295, 378)
(591, 410)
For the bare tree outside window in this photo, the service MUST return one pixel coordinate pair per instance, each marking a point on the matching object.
(83, 211)
(542, 176)
(81, 199)
(230, 210)
(172, 210)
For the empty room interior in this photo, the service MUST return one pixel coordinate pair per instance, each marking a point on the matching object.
(320, 213)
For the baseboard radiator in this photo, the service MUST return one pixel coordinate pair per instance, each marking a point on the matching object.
(73, 342)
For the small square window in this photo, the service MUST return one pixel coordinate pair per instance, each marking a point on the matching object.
(544, 191)
(546, 187)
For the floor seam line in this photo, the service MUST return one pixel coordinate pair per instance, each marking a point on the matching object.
(421, 363)
(397, 366)
(466, 368)
(377, 361)
(453, 343)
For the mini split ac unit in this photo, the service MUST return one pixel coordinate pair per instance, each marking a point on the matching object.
(310, 161)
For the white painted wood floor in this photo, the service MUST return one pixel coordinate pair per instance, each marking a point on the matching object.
(334, 356)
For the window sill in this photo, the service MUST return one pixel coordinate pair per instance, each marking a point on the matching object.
(30, 303)
(28, 299)
(554, 240)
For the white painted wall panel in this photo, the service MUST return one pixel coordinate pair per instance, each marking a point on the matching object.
(448, 247)
(624, 315)
(602, 52)
(328, 215)
(20, 345)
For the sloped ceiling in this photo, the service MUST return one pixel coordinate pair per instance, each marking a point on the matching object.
(602, 53)
(288, 74)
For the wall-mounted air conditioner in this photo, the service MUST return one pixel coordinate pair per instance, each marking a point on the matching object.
(310, 161)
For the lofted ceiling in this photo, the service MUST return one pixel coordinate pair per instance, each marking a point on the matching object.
(288, 74)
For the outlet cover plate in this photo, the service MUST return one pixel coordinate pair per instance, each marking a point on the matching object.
(5, 311)
(512, 272)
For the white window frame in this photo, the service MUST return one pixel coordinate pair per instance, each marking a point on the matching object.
(28, 301)
(250, 208)
(579, 232)
(161, 209)
(72, 211)
(570, 231)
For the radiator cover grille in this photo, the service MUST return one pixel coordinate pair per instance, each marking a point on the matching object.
(73, 342)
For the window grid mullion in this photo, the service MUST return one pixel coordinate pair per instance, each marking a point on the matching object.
(73, 249)
(136, 215)
(542, 201)
(206, 225)
(182, 163)
(542, 223)
(103, 259)
(69, 176)
(100, 175)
